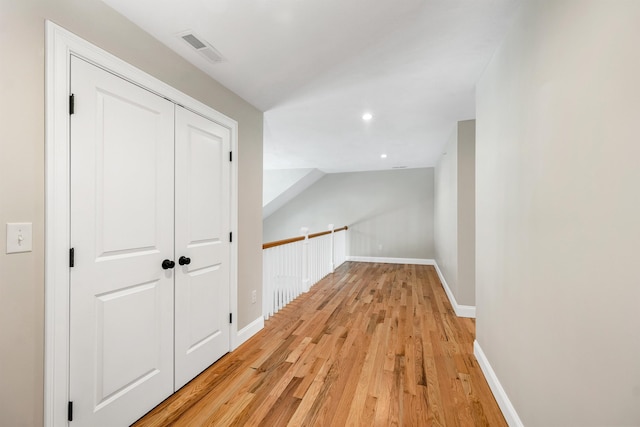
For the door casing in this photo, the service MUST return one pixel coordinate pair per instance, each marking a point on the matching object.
(60, 45)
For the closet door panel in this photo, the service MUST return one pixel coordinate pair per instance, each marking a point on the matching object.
(121, 299)
(202, 237)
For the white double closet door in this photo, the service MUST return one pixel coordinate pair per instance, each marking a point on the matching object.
(150, 185)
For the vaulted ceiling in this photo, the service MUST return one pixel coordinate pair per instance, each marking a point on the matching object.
(316, 66)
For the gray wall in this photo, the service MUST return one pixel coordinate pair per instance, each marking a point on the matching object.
(454, 218)
(466, 290)
(558, 213)
(389, 213)
(445, 218)
(22, 174)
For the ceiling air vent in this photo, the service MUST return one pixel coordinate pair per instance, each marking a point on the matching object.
(201, 46)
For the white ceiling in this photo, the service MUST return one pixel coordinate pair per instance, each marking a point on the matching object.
(315, 66)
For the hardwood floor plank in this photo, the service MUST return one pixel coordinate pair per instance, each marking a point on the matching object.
(369, 412)
(308, 400)
(308, 375)
(371, 344)
(288, 402)
(262, 402)
(362, 394)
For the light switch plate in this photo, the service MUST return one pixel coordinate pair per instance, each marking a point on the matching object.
(19, 237)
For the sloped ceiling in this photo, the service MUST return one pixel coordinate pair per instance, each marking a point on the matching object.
(316, 66)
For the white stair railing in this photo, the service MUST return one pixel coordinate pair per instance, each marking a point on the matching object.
(292, 266)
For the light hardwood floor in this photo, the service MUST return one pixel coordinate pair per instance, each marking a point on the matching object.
(370, 345)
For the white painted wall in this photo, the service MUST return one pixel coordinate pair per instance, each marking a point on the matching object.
(22, 76)
(454, 218)
(389, 213)
(282, 185)
(558, 213)
(276, 181)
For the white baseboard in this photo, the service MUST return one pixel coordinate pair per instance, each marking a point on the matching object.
(383, 260)
(247, 332)
(461, 310)
(509, 412)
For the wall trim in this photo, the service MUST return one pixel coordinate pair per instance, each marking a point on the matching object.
(60, 45)
(509, 412)
(385, 260)
(247, 332)
(461, 310)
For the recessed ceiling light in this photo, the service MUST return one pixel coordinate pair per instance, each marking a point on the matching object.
(367, 116)
(383, 156)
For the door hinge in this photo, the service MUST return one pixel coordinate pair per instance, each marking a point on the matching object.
(231, 156)
(72, 257)
(230, 317)
(231, 237)
(70, 411)
(72, 107)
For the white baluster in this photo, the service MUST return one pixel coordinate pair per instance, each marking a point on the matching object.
(265, 266)
(305, 259)
(290, 283)
(299, 263)
(285, 285)
(279, 282)
(332, 250)
(270, 281)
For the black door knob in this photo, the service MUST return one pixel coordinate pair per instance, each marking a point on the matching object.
(184, 260)
(167, 264)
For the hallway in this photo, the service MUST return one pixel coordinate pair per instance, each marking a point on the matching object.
(371, 344)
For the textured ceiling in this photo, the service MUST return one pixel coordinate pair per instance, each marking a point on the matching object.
(315, 66)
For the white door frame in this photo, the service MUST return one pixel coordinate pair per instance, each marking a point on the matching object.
(60, 45)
